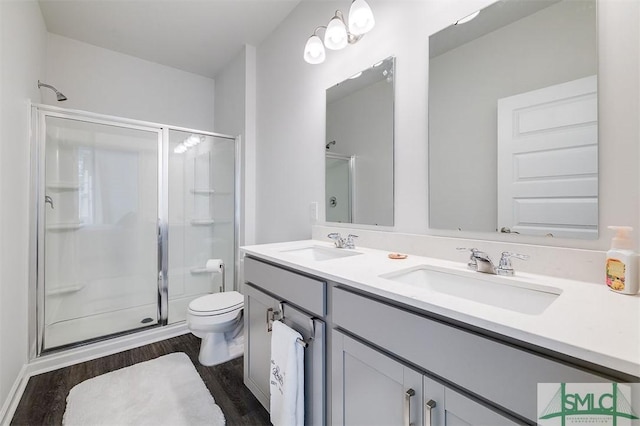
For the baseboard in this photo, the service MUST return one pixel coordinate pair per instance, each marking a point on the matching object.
(15, 393)
(69, 357)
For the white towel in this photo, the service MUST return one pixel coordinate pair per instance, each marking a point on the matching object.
(286, 380)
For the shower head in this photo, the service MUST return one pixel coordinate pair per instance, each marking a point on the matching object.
(328, 146)
(59, 95)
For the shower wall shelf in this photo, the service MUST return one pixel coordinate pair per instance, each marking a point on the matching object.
(64, 186)
(61, 290)
(203, 191)
(64, 226)
(202, 222)
(208, 222)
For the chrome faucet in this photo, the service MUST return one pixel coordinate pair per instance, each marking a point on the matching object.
(341, 242)
(481, 262)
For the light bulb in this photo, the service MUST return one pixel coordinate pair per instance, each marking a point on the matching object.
(335, 37)
(361, 19)
(314, 50)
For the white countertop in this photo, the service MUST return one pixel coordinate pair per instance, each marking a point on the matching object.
(587, 321)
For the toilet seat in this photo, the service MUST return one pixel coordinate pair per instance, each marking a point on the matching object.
(216, 304)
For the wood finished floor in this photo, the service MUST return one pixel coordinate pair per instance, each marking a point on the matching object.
(44, 399)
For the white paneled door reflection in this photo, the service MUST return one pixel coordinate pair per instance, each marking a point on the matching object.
(100, 229)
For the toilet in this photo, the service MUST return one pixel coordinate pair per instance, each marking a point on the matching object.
(217, 320)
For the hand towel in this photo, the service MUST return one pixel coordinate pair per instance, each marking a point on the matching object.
(286, 379)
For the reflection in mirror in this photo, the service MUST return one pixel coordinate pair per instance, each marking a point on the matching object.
(359, 148)
(513, 121)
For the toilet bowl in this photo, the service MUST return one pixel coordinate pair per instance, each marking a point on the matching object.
(217, 320)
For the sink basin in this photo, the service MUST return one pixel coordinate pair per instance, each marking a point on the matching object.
(506, 293)
(320, 253)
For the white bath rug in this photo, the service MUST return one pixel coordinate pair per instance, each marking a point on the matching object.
(164, 391)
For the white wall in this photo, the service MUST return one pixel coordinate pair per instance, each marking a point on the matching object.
(22, 53)
(466, 85)
(107, 82)
(291, 111)
(291, 97)
(235, 115)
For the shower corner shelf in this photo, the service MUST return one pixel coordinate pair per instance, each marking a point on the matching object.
(64, 185)
(64, 226)
(202, 222)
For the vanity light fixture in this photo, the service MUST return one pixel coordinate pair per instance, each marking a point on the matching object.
(337, 34)
(467, 18)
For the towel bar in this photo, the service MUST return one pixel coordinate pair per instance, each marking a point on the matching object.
(279, 316)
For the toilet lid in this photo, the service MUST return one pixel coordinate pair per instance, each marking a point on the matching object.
(217, 303)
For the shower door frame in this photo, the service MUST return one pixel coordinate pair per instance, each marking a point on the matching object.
(38, 114)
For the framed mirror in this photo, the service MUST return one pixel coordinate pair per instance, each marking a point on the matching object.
(513, 120)
(359, 148)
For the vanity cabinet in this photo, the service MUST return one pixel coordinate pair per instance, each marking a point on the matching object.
(387, 360)
(371, 388)
(503, 374)
(272, 293)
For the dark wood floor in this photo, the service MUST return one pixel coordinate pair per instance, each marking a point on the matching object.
(44, 399)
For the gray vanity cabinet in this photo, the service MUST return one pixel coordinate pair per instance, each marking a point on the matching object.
(501, 373)
(369, 388)
(257, 342)
(444, 406)
(273, 293)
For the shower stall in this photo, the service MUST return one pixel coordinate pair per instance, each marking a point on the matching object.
(126, 215)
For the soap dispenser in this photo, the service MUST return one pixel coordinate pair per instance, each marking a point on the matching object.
(622, 262)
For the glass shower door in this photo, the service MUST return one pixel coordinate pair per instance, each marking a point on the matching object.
(201, 217)
(100, 226)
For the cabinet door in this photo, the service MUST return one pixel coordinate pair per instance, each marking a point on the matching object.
(257, 343)
(454, 409)
(369, 388)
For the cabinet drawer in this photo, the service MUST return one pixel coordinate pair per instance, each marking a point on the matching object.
(305, 292)
(501, 373)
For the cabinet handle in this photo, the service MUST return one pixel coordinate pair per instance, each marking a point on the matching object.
(407, 406)
(429, 406)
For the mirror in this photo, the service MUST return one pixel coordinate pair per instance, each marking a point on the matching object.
(359, 148)
(513, 123)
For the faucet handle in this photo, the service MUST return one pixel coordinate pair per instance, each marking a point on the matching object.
(504, 267)
(350, 244)
(473, 263)
(337, 239)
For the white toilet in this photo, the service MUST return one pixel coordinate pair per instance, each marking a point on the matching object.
(217, 320)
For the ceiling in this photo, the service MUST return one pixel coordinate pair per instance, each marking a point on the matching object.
(198, 36)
